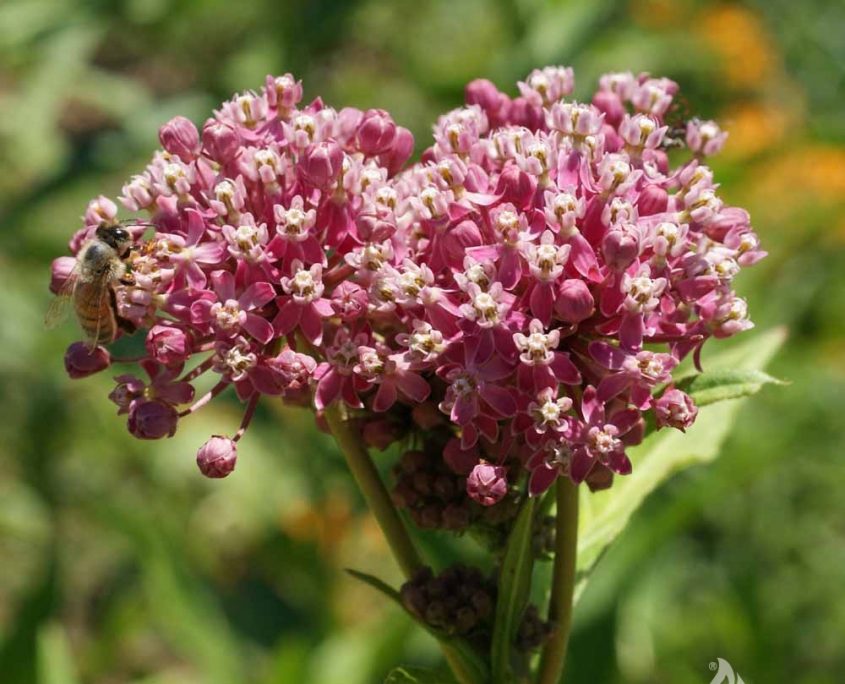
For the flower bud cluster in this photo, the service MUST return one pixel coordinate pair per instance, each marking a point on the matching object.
(528, 286)
(461, 601)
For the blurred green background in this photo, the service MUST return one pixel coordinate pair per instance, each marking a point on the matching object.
(119, 563)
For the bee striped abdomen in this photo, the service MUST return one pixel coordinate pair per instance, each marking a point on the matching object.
(95, 313)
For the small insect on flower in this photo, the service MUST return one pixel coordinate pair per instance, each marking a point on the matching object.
(100, 264)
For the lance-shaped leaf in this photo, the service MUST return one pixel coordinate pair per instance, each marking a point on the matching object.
(418, 675)
(732, 375)
(512, 596)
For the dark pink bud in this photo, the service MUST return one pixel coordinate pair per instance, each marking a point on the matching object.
(376, 132)
(220, 140)
(652, 200)
(609, 103)
(321, 163)
(675, 409)
(461, 461)
(349, 301)
(516, 186)
(523, 113)
(217, 457)
(401, 150)
(427, 415)
(621, 246)
(60, 270)
(152, 419)
(167, 344)
(574, 302)
(487, 484)
(381, 433)
(460, 238)
(494, 103)
(80, 361)
(613, 142)
(179, 136)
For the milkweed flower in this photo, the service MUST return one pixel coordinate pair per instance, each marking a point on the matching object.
(517, 299)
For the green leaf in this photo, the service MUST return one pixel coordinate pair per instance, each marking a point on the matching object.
(378, 585)
(719, 385)
(418, 675)
(735, 373)
(514, 585)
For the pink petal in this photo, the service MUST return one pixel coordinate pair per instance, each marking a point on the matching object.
(583, 258)
(625, 420)
(259, 328)
(631, 331)
(224, 285)
(591, 408)
(209, 252)
(580, 466)
(323, 307)
(196, 227)
(311, 324)
(413, 386)
(541, 479)
(288, 317)
(499, 399)
(328, 389)
(256, 296)
(385, 396)
(465, 409)
(612, 385)
(607, 355)
(541, 302)
(565, 371)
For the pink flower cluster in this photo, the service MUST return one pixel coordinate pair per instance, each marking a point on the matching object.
(535, 277)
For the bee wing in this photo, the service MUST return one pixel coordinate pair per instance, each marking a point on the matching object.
(61, 303)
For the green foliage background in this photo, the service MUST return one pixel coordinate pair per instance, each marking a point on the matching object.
(119, 563)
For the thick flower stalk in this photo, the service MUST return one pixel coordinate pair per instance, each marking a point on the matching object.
(516, 300)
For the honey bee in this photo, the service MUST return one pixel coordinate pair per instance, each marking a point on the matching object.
(100, 264)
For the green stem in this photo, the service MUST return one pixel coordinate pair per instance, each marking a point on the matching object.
(563, 581)
(464, 663)
(371, 485)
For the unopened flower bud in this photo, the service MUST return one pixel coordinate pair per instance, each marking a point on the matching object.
(652, 200)
(461, 461)
(321, 163)
(217, 457)
(675, 409)
(376, 132)
(381, 433)
(60, 271)
(426, 415)
(80, 361)
(179, 136)
(152, 419)
(621, 246)
(349, 301)
(487, 484)
(220, 140)
(167, 344)
(574, 302)
(515, 186)
(494, 103)
(609, 103)
(400, 151)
